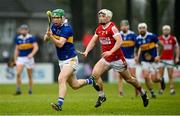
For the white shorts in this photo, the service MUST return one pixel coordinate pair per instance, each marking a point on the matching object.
(152, 67)
(27, 62)
(165, 65)
(131, 62)
(118, 66)
(73, 62)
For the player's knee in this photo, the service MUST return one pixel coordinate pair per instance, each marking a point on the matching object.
(18, 74)
(130, 79)
(61, 80)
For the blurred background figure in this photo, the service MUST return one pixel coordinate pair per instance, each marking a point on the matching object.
(147, 54)
(25, 49)
(171, 46)
(128, 48)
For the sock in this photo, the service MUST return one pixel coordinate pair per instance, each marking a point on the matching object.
(101, 93)
(18, 89)
(142, 92)
(30, 91)
(89, 81)
(151, 90)
(172, 89)
(92, 78)
(60, 101)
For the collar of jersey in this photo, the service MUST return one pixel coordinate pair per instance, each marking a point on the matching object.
(144, 37)
(107, 25)
(125, 34)
(27, 36)
(166, 38)
(65, 21)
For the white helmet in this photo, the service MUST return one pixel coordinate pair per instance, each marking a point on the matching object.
(166, 27)
(142, 25)
(107, 12)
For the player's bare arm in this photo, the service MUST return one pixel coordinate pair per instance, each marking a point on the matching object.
(138, 53)
(58, 42)
(116, 46)
(34, 51)
(46, 36)
(160, 49)
(177, 51)
(16, 52)
(91, 45)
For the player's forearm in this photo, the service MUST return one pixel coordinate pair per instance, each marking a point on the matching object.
(16, 54)
(35, 49)
(160, 48)
(177, 51)
(116, 47)
(57, 42)
(46, 37)
(90, 47)
(138, 53)
(91, 44)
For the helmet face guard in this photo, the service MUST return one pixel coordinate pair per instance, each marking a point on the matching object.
(142, 28)
(104, 16)
(166, 29)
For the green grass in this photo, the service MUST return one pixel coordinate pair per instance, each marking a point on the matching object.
(82, 101)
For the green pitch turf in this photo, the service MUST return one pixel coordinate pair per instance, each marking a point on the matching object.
(82, 101)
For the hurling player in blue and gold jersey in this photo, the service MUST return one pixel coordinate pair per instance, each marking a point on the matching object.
(26, 47)
(150, 48)
(61, 34)
(128, 48)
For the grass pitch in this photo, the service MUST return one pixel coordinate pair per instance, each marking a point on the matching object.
(82, 101)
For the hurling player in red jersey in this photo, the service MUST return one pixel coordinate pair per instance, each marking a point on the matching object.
(112, 56)
(170, 45)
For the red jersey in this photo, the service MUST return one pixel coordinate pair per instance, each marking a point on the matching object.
(106, 38)
(169, 44)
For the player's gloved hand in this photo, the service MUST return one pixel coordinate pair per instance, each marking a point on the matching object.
(49, 33)
(157, 59)
(106, 54)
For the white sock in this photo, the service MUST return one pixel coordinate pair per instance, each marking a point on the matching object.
(101, 94)
(142, 91)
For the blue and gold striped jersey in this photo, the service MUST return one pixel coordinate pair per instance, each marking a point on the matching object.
(148, 46)
(68, 49)
(128, 44)
(24, 44)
